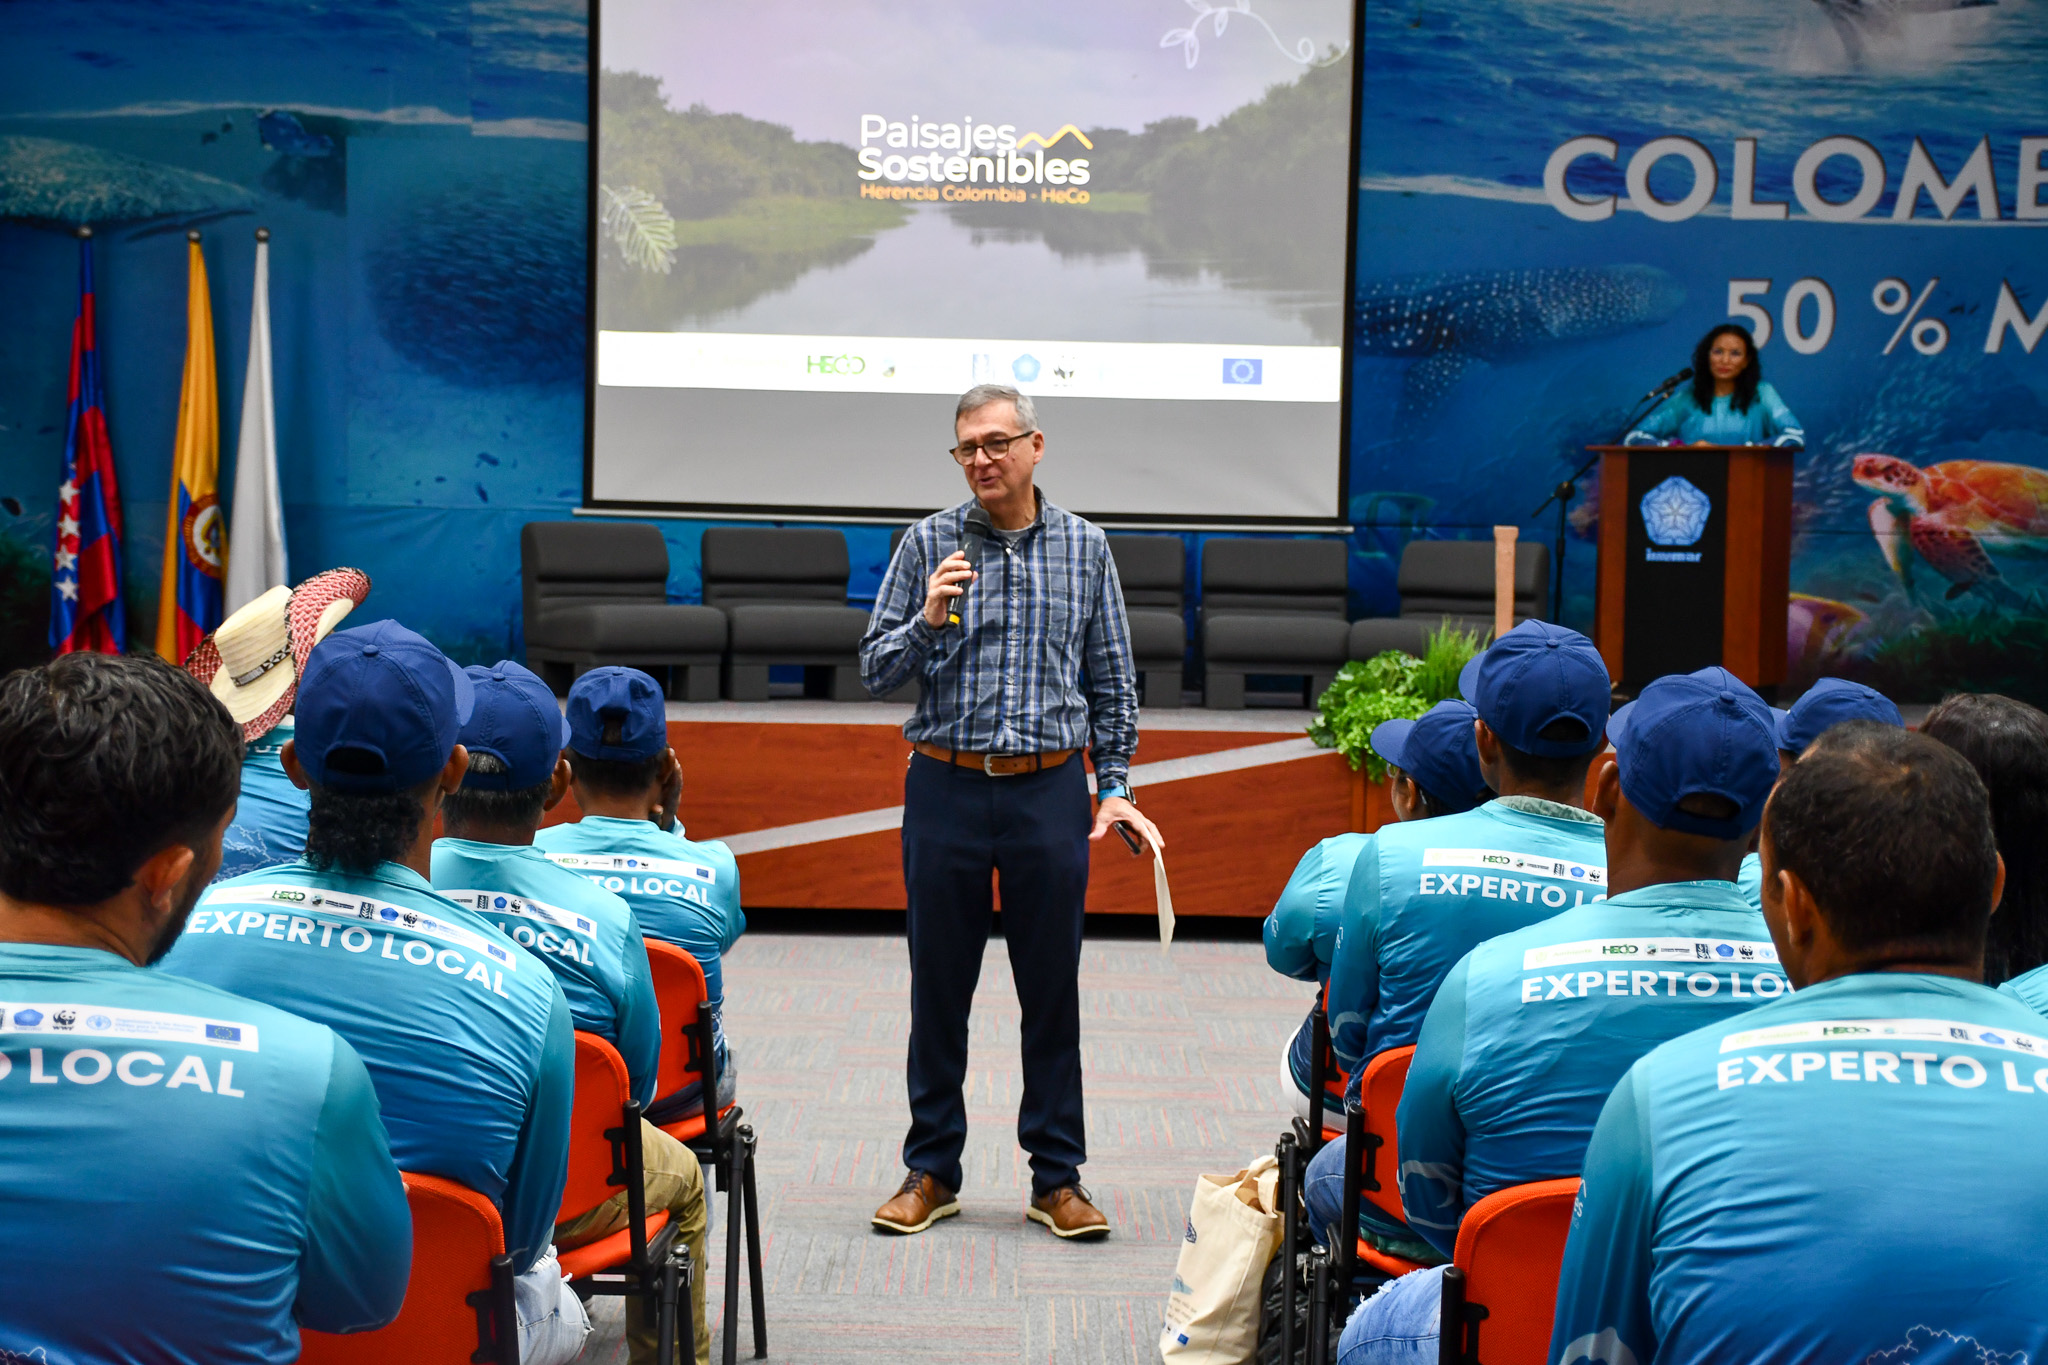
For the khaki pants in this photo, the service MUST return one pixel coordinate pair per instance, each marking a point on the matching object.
(673, 1182)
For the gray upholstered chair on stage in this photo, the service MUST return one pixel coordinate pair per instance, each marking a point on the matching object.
(784, 592)
(1152, 570)
(1452, 578)
(596, 592)
(1271, 607)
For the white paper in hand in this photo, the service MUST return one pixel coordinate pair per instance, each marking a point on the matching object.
(1164, 895)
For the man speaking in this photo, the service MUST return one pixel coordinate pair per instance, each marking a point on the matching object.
(1009, 612)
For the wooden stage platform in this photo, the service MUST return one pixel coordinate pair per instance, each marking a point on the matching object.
(809, 795)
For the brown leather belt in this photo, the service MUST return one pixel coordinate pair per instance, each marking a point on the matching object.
(996, 765)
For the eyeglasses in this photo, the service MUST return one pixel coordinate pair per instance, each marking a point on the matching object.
(997, 447)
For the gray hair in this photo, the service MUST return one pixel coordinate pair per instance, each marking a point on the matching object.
(981, 395)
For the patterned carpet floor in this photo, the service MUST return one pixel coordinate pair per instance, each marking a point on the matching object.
(1180, 1053)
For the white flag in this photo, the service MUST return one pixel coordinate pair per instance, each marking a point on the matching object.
(256, 558)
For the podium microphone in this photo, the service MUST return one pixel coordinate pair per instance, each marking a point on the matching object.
(974, 536)
(1668, 385)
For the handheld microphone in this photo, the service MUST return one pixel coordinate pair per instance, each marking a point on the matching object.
(1668, 385)
(974, 536)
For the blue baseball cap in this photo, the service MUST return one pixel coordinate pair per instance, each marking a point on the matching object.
(1439, 752)
(623, 694)
(516, 722)
(1535, 674)
(1827, 704)
(1696, 734)
(378, 709)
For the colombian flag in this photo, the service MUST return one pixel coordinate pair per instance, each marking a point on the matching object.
(195, 540)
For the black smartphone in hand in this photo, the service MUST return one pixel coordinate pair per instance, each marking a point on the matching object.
(1131, 840)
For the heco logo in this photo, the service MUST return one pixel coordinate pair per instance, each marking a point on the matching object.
(1620, 949)
(836, 364)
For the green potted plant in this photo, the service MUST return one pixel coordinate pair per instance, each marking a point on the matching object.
(1390, 686)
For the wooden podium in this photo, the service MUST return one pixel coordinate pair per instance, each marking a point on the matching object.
(1695, 561)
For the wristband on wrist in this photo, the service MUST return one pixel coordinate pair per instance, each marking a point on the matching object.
(1109, 789)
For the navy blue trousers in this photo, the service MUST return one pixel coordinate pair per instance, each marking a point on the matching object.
(1031, 831)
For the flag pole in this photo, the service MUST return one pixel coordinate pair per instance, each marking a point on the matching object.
(257, 561)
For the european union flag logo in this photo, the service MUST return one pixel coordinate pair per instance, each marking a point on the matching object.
(1244, 371)
(223, 1033)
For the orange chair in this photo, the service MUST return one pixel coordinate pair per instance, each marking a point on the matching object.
(1325, 1078)
(726, 1147)
(1371, 1149)
(458, 1303)
(644, 1259)
(1510, 1250)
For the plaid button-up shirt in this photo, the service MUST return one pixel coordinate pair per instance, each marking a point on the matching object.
(1041, 659)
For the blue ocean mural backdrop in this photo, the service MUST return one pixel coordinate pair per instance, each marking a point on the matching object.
(1557, 198)
(420, 165)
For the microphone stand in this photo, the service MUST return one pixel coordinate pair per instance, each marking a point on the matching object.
(1563, 494)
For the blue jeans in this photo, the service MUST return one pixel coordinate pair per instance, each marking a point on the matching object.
(1323, 1194)
(1398, 1325)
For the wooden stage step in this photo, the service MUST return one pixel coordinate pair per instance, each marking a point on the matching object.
(809, 795)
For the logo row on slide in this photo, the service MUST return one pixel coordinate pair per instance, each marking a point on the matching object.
(1100, 369)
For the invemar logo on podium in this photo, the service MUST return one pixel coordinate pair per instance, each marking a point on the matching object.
(1675, 513)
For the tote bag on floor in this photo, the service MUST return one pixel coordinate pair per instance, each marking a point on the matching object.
(1233, 1227)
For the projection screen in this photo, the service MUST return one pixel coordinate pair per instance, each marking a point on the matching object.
(814, 226)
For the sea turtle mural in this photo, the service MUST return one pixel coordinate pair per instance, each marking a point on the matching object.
(1956, 515)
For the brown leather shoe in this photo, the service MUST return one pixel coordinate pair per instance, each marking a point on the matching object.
(1069, 1214)
(920, 1202)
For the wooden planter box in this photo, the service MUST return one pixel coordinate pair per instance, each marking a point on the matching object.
(1372, 803)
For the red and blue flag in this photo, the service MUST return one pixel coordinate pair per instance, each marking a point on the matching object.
(85, 581)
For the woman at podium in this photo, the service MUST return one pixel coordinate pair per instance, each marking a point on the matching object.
(1727, 402)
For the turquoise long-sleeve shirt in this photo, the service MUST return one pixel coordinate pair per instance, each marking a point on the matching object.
(683, 891)
(269, 824)
(1768, 422)
(1852, 1173)
(1531, 1030)
(584, 934)
(1425, 893)
(1301, 932)
(185, 1176)
(466, 1035)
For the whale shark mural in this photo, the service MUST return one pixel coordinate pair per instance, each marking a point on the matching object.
(1448, 322)
(64, 185)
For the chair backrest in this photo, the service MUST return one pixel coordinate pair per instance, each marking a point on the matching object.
(601, 1094)
(1386, 1075)
(1152, 569)
(680, 992)
(1511, 1248)
(456, 1234)
(774, 564)
(1274, 575)
(585, 563)
(1455, 578)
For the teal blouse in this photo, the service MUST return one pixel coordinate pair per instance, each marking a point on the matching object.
(1768, 422)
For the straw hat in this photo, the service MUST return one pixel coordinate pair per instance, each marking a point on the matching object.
(253, 660)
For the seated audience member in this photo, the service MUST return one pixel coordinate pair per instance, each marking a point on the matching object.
(587, 936)
(467, 1038)
(683, 891)
(2006, 741)
(1826, 704)
(1854, 1172)
(1423, 894)
(252, 663)
(1531, 1030)
(184, 1175)
(1433, 769)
